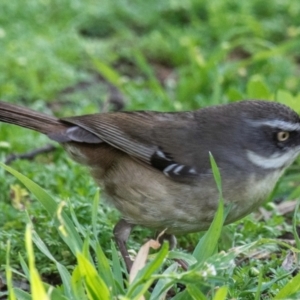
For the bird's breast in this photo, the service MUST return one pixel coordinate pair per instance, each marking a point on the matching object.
(149, 198)
(254, 193)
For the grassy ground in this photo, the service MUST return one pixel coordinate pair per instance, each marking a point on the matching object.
(63, 57)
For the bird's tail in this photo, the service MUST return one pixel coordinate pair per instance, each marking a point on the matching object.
(24, 117)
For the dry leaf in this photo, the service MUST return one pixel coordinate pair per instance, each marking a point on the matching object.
(289, 261)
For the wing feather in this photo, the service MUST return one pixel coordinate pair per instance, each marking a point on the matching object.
(138, 135)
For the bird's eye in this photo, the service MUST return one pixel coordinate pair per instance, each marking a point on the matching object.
(282, 136)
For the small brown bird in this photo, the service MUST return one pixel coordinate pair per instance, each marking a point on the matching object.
(154, 167)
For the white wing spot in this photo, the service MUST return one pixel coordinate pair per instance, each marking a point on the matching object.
(162, 155)
(192, 171)
(169, 168)
(178, 169)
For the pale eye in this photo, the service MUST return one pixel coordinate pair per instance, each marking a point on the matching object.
(282, 136)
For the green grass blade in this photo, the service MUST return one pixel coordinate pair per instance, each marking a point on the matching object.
(36, 284)
(72, 238)
(217, 175)
(164, 284)
(208, 243)
(259, 286)
(95, 212)
(188, 258)
(24, 266)
(221, 293)
(116, 266)
(11, 293)
(95, 285)
(21, 295)
(104, 269)
(295, 224)
(78, 285)
(290, 288)
(107, 72)
(143, 280)
(62, 270)
(182, 296)
(154, 82)
(195, 293)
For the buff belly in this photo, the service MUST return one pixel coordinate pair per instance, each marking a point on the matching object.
(153, 200)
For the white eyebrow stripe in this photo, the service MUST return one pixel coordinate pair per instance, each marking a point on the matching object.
(284, 125)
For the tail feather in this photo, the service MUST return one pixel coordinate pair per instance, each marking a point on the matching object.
(24, 117)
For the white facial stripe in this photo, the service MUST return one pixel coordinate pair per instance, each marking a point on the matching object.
(274, 161)
(287, 126)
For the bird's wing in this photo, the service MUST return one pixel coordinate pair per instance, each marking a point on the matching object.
(164, 141)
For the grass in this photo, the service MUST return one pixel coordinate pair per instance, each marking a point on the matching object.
(60, 56)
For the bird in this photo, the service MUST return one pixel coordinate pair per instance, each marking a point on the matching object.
(154, 167)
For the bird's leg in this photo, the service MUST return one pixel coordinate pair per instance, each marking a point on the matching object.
(168, 237)
(121, 232)
(172, 244)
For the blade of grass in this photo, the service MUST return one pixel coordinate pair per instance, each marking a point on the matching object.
(292, 287)
(36, 284)
(62, 270)
(11, 293)
(108, 72)
(295, 223)
(164, 284)
(147, 69)
(195, 293)
(143, 280)
(72, 238)
(116, 266)
(104, 269)
(208, 243)
(96, 287)
(182, 296)
(188, 258)
(21, 295)
(217, 175)
(259, 287)
(24, 266)
(221, 293)
(95, 212)
(77, 285)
